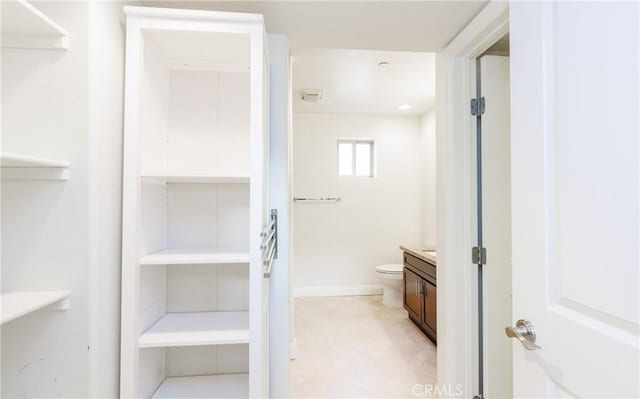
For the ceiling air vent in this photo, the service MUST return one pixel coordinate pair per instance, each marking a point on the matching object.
(311, 95)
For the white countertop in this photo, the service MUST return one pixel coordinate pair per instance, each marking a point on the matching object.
(430, 256)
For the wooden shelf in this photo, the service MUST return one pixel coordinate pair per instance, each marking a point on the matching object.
(194, 257)
(225, 386)
(197, 328)
(20, 303)
(194, 178)
(26, 167)
(24, 26)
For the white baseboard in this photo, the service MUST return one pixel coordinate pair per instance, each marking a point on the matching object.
(338, 290)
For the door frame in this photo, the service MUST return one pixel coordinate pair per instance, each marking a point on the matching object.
(456, 214)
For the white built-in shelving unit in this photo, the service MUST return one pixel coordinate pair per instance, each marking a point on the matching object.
(24, 26)
(194, 295)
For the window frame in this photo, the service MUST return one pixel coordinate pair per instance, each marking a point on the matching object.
(353, 143)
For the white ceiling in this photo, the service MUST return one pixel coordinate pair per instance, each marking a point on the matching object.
(365, 25)
(352, 81)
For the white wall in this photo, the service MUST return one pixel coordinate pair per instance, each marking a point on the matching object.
(338, 245)
(428, 179)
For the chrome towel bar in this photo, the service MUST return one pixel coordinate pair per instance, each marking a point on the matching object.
(268, 229)
(317, 199)
(270, 244)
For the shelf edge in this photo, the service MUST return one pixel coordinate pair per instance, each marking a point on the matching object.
(57, 39)
(28, 173)
(60, 302)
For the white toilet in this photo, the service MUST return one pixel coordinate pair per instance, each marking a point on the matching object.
(391, 276)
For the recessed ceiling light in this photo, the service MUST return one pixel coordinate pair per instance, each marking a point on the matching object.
(404, 107)
(383, 64)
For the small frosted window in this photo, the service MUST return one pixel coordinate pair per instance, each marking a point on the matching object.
(355, 158)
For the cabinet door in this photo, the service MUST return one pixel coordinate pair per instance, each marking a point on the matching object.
(412, 298)
(429, 300)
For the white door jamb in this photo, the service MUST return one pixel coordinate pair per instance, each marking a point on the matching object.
(457, 322)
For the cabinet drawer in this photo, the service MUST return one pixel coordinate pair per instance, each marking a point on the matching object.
(420, 265)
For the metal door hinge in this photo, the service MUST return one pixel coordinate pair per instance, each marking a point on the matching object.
(477, 107)
(479, 255)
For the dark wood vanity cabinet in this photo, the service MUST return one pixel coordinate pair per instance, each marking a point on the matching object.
(420, 298)
(412, 297)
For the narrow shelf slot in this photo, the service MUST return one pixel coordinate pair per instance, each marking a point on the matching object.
(193, 178)
(24, 26)
(224, 386)
(26, 167)
(21, 303)
(194, 257)
(197, 328)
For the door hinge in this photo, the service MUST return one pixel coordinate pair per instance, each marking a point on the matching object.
(477, 107)
(479, 256)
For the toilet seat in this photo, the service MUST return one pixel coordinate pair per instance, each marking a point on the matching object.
(390, 269)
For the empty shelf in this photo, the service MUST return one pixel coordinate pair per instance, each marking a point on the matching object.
(20, 303)
(194, 178)
(225, 386)
(19, 166)
(197, 328)
(24, 26)
(194, 257)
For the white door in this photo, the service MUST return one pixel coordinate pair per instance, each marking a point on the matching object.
(496, 226)
(575, 202)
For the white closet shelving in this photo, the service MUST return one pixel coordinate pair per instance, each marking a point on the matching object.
(24, 26)
(228, 386)
(194, 295)
(42, 212)
(197, 328)
(20, 303)
(193, 178)
(194, 257)
(21, 167)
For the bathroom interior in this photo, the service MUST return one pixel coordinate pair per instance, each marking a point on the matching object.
(364, 186)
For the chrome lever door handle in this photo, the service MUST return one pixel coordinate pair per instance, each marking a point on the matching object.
(525, 333)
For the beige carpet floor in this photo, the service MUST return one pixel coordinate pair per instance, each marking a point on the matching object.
(354, 347)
